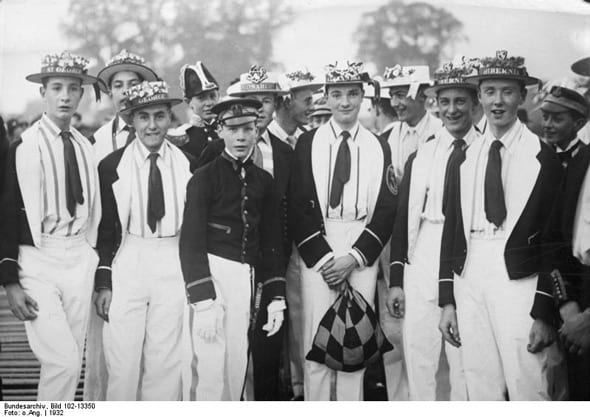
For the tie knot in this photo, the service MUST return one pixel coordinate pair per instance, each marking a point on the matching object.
(66, 135)
(345, 135)
(458, 143)
(153, 156)
(496, 145)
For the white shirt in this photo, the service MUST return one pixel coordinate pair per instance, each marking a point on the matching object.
(404, 140)
(584, 133)
(275, 128)
(57, 220)
(479, 223)
(436, 177)
(353, 205)
(169, 225)
(265, 148)
(110, 137)
(482, 125)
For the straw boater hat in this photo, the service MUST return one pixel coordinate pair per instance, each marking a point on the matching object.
(196, 79)
(412, 76)
(234, 111)
(148, 93)
(298, 80)
(453, 75)
(66, 64)
(126, 61)
(256, 80)
(582, 67)
(501, 66)
(351, 73)
(560, 99)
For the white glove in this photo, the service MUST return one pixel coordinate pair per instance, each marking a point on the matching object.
(276, 316)
(208, 321)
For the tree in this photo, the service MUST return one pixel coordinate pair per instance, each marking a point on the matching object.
(227, 35)
(407, 34)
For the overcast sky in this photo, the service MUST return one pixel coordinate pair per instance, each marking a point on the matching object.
(551, 34)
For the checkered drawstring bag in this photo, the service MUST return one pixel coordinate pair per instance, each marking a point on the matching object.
(349, 337)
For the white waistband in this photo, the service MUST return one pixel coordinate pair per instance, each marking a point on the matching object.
(65, 242)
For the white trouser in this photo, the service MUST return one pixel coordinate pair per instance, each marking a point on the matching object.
(423, 341)
(58, 275)
(493, 314)
(95, 373)
(221, 364)
(295, 334)
(396, 378)
(143, 335)
(317, 299)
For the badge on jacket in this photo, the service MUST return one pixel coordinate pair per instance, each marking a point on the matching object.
(391, 180)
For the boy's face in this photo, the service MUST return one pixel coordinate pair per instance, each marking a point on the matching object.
(456, 110)
(61, 96)
(345, 102)
(202, 103)
(151, 124)
(407, 108)
(239, 139)
(120, 82)
(301, 104)
(559, 128)
(500, 99)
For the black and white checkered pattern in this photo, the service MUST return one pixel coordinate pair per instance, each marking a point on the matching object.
(349, 337)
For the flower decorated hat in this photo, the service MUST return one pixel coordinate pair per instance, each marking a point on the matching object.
(256, 80)
(233, 111)
(501, 66)
(298, 80)
(148, 93)
(453, 75)
(351, 73)
(126, 61)
(65, 64)
(412, 76)
(196, 79)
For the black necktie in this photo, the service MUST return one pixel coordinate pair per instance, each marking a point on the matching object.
(565, 156)
(495, 205)
(155, 209)
(74, 193)
(452, 173)
(341, 170)
(131, 134)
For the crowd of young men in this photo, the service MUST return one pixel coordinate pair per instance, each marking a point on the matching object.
(197, 263)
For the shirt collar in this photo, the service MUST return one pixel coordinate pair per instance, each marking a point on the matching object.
(142, 153)
(280, 133)
(50, 127)
(265, 137)
(419, 128)
(337, 130)
(570, 145)
(510, 138)
(120, 124)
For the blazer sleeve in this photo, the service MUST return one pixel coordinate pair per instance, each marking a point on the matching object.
(305, 216)
(399, 236)
(193, 239)
(12, 218)
(273, 263)
(373, 238)
(109, 228)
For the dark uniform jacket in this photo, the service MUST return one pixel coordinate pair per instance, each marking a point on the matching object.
(232, 218)
(527, 243)
(195, 139)
(306, 219)
(282, 156)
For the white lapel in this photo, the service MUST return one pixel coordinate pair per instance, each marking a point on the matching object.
(522, 177)
(123, 186)
(418, 184)
(320, 163)
(28, 172)
(473, 157)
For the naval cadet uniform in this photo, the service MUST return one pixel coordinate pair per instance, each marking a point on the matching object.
(230, 251)
(47, 246)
